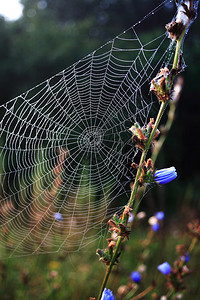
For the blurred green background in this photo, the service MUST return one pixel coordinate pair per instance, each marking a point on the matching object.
(50, 36)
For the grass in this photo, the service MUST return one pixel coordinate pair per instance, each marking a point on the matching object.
(79, 275)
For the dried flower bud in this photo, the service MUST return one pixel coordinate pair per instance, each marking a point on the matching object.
(161, 85)
(175, 29)
(140, 134)
(194, 228)
(111, 244)
(181, 249)
(150, 164)
(186, 13)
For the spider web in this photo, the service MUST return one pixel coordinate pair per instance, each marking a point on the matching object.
(65, 146)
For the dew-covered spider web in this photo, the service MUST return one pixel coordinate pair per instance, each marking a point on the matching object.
(65, 145)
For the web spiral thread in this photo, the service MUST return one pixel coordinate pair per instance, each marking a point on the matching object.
(65, 146)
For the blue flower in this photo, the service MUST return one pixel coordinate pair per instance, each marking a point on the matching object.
(159, 215)
(165, 175)
(136, 277)
(107, 295)
(58, 217)
(131, 217)
(185, 257)
(155, 227)
(164, 268)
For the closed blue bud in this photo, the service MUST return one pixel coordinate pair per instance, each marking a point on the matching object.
(58, 216)
(136, 277)
(107, 295)
(159, 215)
(164, 268)
(155, 227)
(165, 175)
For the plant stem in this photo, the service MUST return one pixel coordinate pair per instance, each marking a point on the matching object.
(193, 243)
(119, 241)
(144, 154)
(133, 194)
(177, 52)
(144, 293)
(142, 159)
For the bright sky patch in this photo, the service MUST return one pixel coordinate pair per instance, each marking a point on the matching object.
(11, 9)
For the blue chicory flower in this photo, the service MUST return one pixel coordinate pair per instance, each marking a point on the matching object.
(185, 257)
(155, 227)
(107, 295)
(164, 268)
(159, 215)
(131, 217)
(58, 216)
(136, 277)
(165, 175)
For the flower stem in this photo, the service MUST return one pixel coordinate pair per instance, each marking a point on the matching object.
(193, 243)
(133, 194)
(108, 271)
(142, 159)
(144, 154)
(144, 293)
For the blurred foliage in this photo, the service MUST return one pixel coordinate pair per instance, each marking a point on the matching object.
(73, 276)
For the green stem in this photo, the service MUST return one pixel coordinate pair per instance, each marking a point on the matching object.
(177, 52)
(142, 159)
(133, 194)
(144, 154)
(178, 47)
(193, 243)
(108, 271)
